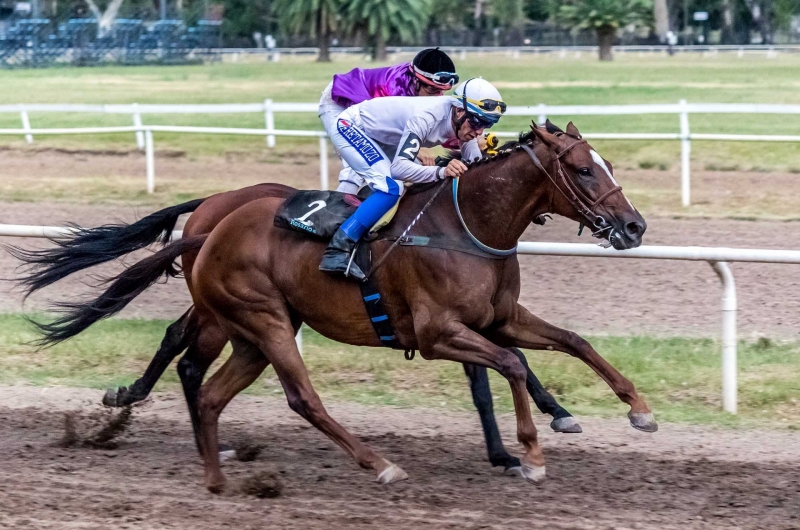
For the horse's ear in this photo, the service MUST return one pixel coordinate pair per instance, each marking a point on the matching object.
(573, 131)
(543, 133)
(552, 128)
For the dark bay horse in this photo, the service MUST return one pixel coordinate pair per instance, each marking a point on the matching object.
(261, 283)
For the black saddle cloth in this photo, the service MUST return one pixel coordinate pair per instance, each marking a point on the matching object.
(316, 213)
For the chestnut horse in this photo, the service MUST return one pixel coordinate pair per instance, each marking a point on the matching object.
(197, 330)
(261, 283)
(260, 301)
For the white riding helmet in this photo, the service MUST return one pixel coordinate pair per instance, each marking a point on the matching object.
(481, 100)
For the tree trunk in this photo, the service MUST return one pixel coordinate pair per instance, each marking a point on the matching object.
(380, 47)
(728, 36)
(661, 15)
(477, 38)
(323, 37)
(605, 40)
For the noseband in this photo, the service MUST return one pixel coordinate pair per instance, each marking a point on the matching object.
(577, 198)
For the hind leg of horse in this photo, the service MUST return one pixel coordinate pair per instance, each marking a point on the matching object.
(525, 330)
(456, 342)
(243, 367)
(563, 421)
(175, 340)
(204, 349)
(482, 398)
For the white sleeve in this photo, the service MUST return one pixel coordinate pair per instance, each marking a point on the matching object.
(470, 151)
(404, 165)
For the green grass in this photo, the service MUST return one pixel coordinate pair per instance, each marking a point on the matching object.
(526, 81)
(679, 377)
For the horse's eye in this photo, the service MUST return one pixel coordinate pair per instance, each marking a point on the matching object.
(585, 172)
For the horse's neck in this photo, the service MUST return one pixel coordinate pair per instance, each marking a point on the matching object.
(499, 199)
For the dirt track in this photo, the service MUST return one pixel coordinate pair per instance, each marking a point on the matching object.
(608, 477)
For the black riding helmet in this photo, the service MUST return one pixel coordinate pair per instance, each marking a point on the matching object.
(433, 67)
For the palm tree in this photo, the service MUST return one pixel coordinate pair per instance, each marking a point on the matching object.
(315, 17)
(381, 19)
(605, 17)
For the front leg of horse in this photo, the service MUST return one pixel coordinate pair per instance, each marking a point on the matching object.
(563, 421)
(454, 341)
(525, 330)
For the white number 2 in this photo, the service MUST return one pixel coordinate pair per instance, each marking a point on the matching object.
(317, 206)
(411, 151)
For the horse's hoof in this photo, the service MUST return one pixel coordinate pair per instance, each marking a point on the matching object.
(110, 399)
(393, 473)
(532, 474)
(216, 486)
(643, 421)
(567, 424)
(226, 453)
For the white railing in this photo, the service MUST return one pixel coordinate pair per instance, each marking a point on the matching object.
(718, 257)
(682, 109)
(149, 145)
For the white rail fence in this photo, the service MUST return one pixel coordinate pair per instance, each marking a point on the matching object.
(718, 257)
(142, 132)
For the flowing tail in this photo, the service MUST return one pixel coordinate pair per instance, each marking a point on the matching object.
(93, 246)
(76, 317)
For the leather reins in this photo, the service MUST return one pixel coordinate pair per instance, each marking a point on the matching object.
(577, 198)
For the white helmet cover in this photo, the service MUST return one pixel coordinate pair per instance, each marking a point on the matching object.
(480, 98)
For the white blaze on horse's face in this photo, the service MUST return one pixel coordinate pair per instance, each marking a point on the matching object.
(602, 163)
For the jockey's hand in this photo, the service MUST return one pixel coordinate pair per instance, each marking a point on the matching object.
(455, 168)
(426, 157)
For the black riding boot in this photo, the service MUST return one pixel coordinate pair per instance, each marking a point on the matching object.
(337, 256)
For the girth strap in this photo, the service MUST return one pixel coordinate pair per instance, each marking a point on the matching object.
(372, 300)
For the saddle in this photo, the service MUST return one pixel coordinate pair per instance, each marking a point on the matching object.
(320, 213)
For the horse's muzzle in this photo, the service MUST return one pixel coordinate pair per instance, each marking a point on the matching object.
(629, 237)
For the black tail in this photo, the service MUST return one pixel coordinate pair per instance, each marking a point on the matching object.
(93, 246)
(124, 288)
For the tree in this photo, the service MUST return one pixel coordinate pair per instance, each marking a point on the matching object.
(315, 17)
(381, 19)
(605, 17)
(661, 16)
(105, 19)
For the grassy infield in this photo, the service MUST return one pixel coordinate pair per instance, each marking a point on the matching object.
(680, 377)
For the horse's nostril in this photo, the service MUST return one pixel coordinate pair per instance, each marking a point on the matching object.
(634, 229)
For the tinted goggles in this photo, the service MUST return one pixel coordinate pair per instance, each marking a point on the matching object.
(448, 79)
(489, 105)
(479, 122)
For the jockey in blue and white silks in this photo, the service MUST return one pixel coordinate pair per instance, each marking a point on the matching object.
(400, 125)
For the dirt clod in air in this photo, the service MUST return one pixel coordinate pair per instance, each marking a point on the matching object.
(246, 449)
(98, 430)
(264, 485)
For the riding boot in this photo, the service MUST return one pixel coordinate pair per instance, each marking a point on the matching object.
(338, 255)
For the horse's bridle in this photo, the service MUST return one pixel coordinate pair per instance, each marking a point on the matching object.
(577, 198)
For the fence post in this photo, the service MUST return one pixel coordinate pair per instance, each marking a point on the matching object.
(729, 307)
(151, 161)
(323, 162)
(686, 150)
(137, 122)
(542, 114)
(26, 124)
(269, 121)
